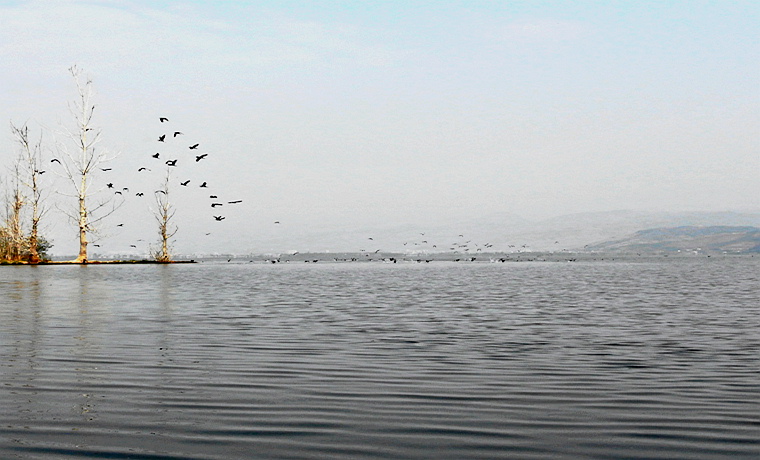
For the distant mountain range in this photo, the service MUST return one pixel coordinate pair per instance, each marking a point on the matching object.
(504, 232)
(712, 239)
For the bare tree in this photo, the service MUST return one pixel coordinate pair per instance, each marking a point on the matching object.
(13, 233)
(164, 213)
(80, 161)
(31, 158)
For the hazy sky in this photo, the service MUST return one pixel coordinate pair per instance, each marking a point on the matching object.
(363, 113)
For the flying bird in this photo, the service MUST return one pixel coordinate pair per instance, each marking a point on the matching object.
(55, 160)
(160, 191)
(161, 138)
(200, 157)
(109, 185)
(213, 205)
(171, 162)
(105, 169)
(132, 246)
(203, 185)
(139, 194)
(213, 196)
(156, 155)
(143, 169)
(235, 202)
(163, 119)
(277, 222)
(120, 225)
(185, 183)
(219, 218)
(177, 133)
(194, 146)
(117, 192)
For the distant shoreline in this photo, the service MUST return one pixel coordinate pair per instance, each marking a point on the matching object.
(103, 262)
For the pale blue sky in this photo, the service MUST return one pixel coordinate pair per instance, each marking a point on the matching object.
(417, 112)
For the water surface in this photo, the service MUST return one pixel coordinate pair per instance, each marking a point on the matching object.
(597, 359)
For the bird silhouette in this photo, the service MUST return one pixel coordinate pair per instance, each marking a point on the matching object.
(143, 169)
(203, 185)
(235, 202)
(176, 133)
(200, 157)
(109, 185)
(156, 155)
(132, 246)
(126, 189)
(120, 225)
(277, 222)
(163, 119)
(105, 169)
(55, 160)
(160, 191)
(185, 183)
(139, 194)
(171, 162)
(117, 192)
(194, 146)
(161, 138)
(219, 218)
(213, 205)
(213, 196)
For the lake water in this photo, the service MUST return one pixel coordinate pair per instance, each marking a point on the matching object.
(547, 360)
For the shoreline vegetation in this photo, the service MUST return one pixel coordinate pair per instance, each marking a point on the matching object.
(79, 161)
(99, 262)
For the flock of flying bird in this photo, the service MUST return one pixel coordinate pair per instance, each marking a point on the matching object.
(170, 163)
(461, 246)
(185, 183)
(423, 245)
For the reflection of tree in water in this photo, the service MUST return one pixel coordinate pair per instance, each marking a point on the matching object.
(86, 346)
(22, 362)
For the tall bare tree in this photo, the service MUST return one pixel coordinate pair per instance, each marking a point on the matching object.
(164, 213)
(31, 158)
(13, 233)
(81, 159)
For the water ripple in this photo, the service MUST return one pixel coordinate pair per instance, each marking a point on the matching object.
(375, 361)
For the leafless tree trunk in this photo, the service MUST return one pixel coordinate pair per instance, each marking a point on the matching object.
(14, 232)
(81, 161)
(31, 157)
(164, 214)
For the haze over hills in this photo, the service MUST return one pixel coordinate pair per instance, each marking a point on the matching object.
(712, 239)
(502, 232)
